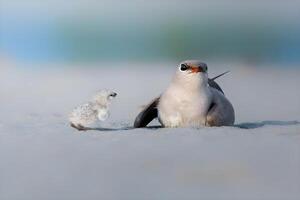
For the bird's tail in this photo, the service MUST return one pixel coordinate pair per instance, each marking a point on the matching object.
(214, 78)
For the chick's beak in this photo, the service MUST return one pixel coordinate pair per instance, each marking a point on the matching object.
(114, 94)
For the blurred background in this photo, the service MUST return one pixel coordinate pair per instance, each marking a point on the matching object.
(89, 31)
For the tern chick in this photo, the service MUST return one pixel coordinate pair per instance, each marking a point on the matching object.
(96, 109)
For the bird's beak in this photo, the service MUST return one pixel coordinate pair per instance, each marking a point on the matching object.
(114, 94)
(195, 69)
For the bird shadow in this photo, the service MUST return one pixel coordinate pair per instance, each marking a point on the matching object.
(253, 125)
(246, 125)
(117, 129)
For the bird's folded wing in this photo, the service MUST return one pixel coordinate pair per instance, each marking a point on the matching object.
(220, 112)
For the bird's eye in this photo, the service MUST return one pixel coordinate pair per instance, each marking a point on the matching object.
(183, 67)
(205, 68)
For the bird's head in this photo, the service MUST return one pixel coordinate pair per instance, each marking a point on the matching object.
(191, 73)
(103, 97)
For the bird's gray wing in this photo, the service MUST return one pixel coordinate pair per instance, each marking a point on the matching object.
(149, 113)
(212, 83)
(220, 112)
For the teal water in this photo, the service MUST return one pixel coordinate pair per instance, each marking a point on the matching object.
(75, 41)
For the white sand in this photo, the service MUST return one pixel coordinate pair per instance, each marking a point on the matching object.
(41, 157)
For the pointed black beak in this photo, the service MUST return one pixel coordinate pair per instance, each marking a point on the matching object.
(114, 94)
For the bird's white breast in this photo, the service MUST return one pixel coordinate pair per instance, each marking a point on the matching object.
(179, 107)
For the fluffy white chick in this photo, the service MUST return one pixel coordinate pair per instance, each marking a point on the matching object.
(88, 113)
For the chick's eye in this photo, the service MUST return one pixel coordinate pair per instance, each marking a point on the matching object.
(183, 67)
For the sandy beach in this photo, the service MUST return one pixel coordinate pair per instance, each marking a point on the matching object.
(41, 157)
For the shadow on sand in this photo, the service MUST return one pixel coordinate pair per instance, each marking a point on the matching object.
(118, 129)
(252, 125)
(246, 125)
